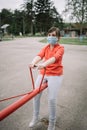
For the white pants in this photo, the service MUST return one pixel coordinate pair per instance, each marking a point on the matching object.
(54, 83)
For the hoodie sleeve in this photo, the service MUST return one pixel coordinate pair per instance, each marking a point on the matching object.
(59, 53)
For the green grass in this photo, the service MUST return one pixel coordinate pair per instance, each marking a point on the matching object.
(70, 41)
(63, 40)
(6, 39)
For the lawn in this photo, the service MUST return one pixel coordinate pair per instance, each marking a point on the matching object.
(71, 41)
(63, 40)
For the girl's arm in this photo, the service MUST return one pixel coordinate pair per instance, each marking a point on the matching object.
(35, 61)
(49, 61)
(46, 63)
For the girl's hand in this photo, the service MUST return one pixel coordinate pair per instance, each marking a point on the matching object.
(41, 66)
(32, 65)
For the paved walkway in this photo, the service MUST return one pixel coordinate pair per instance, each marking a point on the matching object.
(15, 79)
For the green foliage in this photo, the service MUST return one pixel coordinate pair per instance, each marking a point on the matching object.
(6, 16)
(35, 16)
(46, 15)
(15, 20)
(43, 18)
(77, 9)
(28, 8)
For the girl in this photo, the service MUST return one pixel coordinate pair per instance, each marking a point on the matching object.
(52, 55)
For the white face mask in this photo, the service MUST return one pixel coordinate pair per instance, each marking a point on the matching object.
(52, 40)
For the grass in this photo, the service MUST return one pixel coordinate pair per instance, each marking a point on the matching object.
(63, 40)
(71, 41)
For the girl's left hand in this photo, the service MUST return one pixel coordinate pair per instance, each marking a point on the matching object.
(41, 66)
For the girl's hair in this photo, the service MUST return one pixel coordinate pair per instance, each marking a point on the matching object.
(52, 29)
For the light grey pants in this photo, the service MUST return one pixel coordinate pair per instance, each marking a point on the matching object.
(54, 83)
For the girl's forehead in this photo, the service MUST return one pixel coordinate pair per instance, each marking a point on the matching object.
(54, 32)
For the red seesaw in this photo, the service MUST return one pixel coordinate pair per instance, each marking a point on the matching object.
(28, 96)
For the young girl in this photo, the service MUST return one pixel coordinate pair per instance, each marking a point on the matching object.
(51, 55)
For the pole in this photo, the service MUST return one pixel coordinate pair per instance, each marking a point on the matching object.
(13, 107)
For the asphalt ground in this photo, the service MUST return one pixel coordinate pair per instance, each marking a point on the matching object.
(15, 57)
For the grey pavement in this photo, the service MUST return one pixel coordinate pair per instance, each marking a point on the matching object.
(15, 57)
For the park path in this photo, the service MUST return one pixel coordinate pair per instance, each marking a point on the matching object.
(15, 79)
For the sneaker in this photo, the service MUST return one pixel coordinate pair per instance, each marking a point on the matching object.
(34, 122)
(51, 128)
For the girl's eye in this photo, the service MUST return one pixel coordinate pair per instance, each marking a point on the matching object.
(52, 35)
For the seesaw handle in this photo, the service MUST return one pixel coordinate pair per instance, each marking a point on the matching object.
(32, 79)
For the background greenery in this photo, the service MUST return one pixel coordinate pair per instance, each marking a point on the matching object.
(70, 41)
(39, 15)
(34, 16)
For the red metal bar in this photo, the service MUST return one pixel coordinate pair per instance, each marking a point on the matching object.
(20, 95)
(32, 77)
(13, 107)
(16, 96)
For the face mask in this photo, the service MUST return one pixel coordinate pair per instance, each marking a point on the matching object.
(52, 40)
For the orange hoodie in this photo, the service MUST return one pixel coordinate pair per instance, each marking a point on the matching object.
(56, 68)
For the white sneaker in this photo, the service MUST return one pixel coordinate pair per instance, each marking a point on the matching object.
(34, 122)
(51, 128)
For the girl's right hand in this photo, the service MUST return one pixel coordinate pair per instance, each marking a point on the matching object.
(32, 65)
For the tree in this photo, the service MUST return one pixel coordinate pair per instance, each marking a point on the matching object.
(46, 15)
(15, 20)
(6, 18)
(38, 15)
(57, 20)
(42, 14)
(29, 10)
(17, 24)
(78, 11)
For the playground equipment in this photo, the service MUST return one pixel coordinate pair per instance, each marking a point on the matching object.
(4, 27)
(25, 97)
